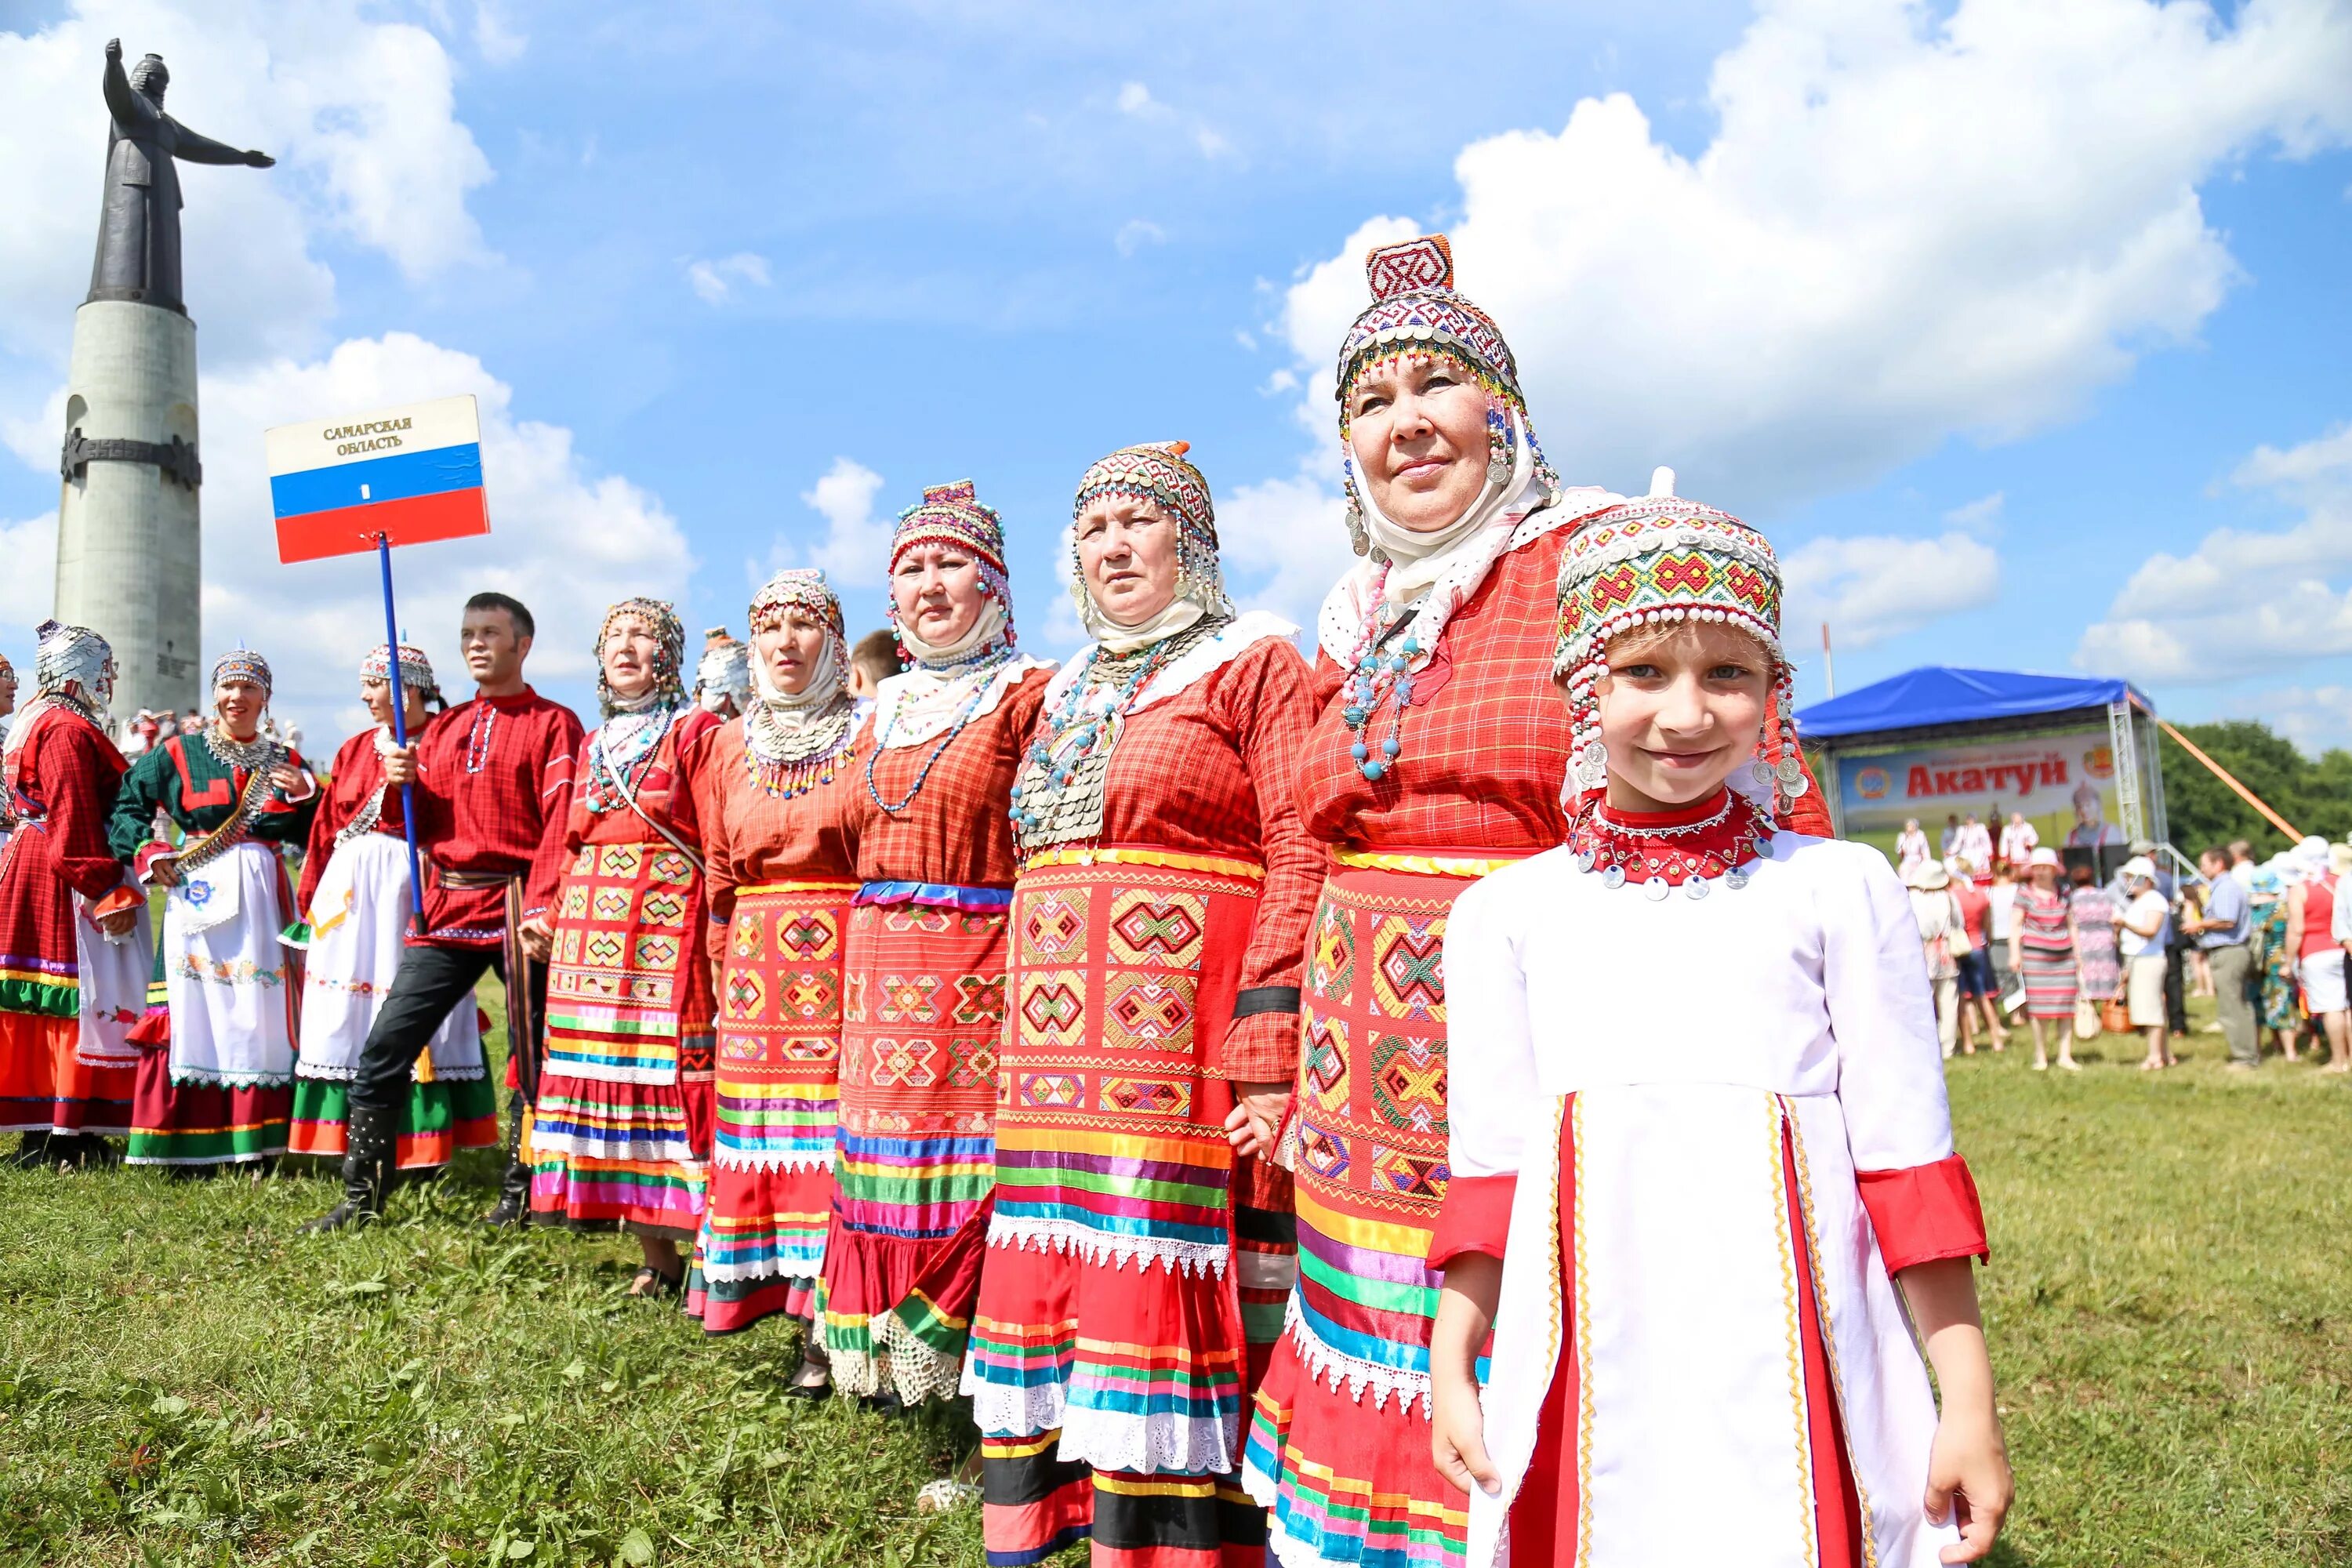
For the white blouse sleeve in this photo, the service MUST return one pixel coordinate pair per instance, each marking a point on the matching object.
(1490, 1054)
(1883, 1016)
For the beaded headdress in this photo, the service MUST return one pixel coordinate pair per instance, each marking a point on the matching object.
(1159, 472)
(669, 657)
(1417, 313)
(1658, 562)
(801, 588)
(415, 669)
(954, 515)
(75, 655)
(242, 664)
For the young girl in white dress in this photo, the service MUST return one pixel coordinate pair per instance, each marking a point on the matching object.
(1696, 1078)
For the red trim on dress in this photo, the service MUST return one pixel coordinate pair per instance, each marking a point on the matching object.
(1923, 1212)
(1475, 1217)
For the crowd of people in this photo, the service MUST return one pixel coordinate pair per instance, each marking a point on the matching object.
(1158, 1048)
(2019, 930)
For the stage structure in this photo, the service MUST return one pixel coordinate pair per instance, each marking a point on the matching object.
(2078, 757)
(129, 537)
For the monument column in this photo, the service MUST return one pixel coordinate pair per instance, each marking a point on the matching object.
(129, 537)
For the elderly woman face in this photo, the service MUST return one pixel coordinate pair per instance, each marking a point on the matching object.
(936, 589)
(239, 703)
(630, 647)
(1418, 429)
(1127, 551)
(790, 651)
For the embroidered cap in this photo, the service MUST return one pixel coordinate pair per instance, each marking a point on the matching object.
(242, 664)
(1159, 472)
(952, 514)
(1416, 309)
(415, 669)
(669, 655)
(1658, 562)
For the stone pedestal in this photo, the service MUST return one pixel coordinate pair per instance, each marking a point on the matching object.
(129, 541)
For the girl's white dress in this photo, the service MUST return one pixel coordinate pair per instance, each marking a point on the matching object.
(1751, 1093)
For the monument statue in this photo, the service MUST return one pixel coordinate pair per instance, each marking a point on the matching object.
(139, 228)
(130, 528)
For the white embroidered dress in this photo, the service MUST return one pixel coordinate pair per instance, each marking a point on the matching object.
(1683, 1038)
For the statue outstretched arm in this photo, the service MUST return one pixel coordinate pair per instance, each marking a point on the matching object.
(122, 101)
(198, 148)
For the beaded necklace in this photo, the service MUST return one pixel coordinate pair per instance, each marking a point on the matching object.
(611, 759)
(1371, 675)
(1692, 849)
(981, 679)
(1058, 795)
(256, 755)
(781, 775)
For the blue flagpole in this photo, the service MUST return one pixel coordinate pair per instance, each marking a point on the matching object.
(400, 737)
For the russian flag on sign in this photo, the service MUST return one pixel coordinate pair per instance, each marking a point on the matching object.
(411, 474)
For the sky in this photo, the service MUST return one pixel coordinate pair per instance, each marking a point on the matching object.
(2023, 330)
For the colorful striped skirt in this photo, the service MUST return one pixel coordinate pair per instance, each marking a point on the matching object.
(620, 1130)
(1338, 1442)
(2050, 981)
(922, 1021)
(777, 1072)
(1111, 1353)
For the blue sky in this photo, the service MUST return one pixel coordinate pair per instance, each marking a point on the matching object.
(2021, 329)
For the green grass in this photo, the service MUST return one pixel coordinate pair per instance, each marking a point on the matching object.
(182, 1380)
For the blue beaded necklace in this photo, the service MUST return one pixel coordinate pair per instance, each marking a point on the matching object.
(1371, 675)
(1049, 768)
(979, 689)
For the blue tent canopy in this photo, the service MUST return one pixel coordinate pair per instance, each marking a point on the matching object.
(1939, 694)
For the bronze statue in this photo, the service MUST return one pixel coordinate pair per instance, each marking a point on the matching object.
(139, 228)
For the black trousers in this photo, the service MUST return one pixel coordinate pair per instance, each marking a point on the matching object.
(430, 981)
(2176, 992)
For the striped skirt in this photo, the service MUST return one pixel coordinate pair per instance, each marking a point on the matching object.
(2050, 983)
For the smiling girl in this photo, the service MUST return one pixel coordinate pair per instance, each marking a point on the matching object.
(1702, 1353)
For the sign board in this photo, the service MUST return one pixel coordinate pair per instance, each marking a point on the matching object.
(2064, 783)
(413, 474)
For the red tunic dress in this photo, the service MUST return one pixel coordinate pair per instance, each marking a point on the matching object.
(1137, 1268)
(1338, 1443)
(64, 777)
(621, 1129)
(494, 784)
(923, 1020)
(781, 874)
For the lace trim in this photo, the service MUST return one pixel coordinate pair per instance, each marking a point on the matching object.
(1230, 641)
(1159, 1444)
(1351, 1375)
(729, 1159)
(916, 1371)
(348, 1072)
(783, 1263)
(1069, 1237)
(1022, 1411)
(893, 719)
(663, 1150)
(222, 1079)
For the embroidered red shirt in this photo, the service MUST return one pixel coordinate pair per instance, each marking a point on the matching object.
(358, 770)
(493, 792)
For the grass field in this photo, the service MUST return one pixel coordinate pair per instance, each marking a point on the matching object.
(182, 1380)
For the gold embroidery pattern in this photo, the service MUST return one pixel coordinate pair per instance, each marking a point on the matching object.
(1795, 1333)
(1829, 1336)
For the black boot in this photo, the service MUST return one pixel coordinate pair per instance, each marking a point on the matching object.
(32, 1151)
(513, 1206)
(367, 1170)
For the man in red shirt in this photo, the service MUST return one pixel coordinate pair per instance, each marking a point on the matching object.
(493, 786)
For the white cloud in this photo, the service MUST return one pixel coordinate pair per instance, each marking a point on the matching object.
(1136, 233)
(1135, 100)
(1869, 587)
(359, 113)
(1980, 516)
(494, 40)
(1911, 222)
(2315, 718)
(855, 550)
(28, 587)
(565, 540)
(2245, 601)
(715, 280)
(1284, 541)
